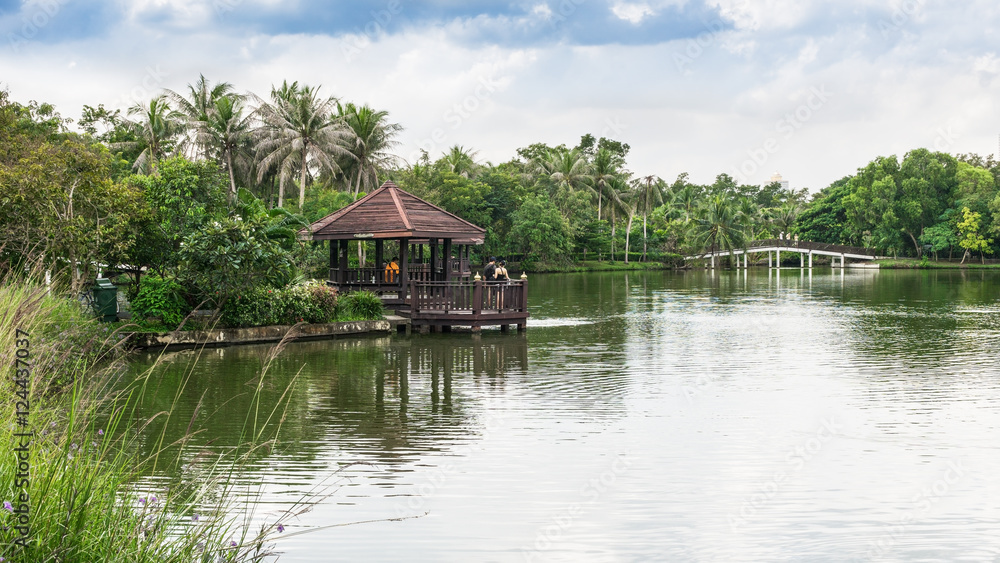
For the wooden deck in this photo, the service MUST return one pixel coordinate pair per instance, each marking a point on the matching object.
(473, 304)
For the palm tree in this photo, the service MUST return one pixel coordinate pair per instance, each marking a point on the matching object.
(195, 108)
(783, 218)
(604, 170)
(618, 201)
(228, 129)
(717, 226)
(156, 130)
(461, 161)
(567, 170)
(299, 129)
(373, 138)
(651, 195)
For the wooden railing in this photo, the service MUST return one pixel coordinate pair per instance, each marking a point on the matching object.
(473, 297)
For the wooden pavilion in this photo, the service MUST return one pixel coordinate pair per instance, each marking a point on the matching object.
(432, 288)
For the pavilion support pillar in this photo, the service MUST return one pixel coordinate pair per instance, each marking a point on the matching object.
(435, 257)
(421, 254)
(404, 267)
(447, 259)
(342, 263)
(333, 261)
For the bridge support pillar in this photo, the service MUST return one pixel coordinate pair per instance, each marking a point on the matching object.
(802, 260)
(810, 259)
(769, 265)
(777, 258)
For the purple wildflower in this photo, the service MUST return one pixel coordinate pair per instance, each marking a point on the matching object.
(8, 506)
(281, 528)
(232, 543)
(142, 500)
(100, 432)
(195, 518)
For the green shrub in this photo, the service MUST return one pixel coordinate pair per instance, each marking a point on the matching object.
(160, 297)
(262, 306)
(361, 306)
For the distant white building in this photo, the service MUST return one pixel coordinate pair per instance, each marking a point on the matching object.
(777, 178)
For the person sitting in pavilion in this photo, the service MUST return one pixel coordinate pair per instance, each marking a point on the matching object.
(391, 271)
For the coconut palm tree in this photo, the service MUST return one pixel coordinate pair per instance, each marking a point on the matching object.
(604, 169)
(228, 131)
(461, 161)
(619, 202)
(194, 110)
(156, 130)
(650, 196)
(299, 129)
(717, 226)
(373, 139)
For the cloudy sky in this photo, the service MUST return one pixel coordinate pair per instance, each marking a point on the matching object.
(810, 89)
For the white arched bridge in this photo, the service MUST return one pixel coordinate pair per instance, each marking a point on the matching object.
(774, 248)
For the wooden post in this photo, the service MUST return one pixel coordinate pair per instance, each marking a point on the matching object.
(333, 260)
(477, 298)
(342, 275)
(379, 259)
(404, 268)
(414, 299)
(447, 259)
(524, 302)
(434, 260)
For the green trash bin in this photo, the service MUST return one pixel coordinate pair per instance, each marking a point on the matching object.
(105, 300)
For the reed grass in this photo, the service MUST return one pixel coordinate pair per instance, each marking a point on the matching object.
(86, 495)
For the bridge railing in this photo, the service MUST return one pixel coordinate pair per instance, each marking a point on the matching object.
(807, 245)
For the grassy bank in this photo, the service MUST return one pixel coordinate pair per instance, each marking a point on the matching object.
(69, 483)
(915, 264)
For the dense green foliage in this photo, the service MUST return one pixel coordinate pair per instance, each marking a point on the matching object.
(360, 306)
(260, 306)
(161, 298)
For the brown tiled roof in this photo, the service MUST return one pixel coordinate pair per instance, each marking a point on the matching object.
(390, 212)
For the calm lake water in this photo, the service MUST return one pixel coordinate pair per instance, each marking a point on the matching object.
(652, 416)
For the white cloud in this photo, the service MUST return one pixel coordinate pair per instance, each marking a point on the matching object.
(632, 13)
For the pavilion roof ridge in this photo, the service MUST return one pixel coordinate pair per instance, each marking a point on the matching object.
(391, 212)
